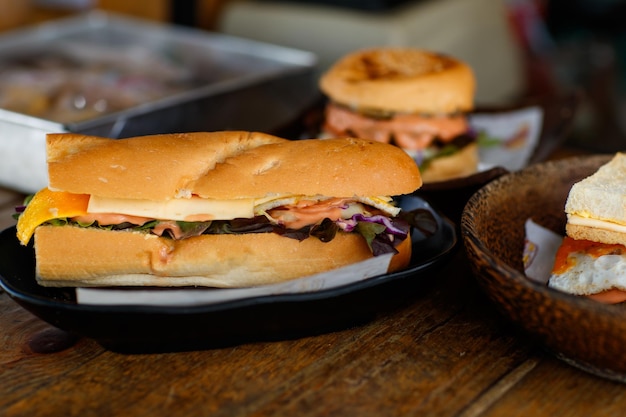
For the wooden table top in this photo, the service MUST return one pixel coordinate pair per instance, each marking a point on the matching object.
(447, 352)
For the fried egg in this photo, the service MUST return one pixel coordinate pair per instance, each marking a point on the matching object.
(590, 275)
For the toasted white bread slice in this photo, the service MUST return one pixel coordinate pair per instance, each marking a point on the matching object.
(596, 205)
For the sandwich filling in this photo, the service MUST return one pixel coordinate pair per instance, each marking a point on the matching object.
(297, 217)
(424, 137)
(593, 269)
(595, 223)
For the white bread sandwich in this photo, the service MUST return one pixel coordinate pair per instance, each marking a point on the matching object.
(219, 209)
(415, 99)
(592, 258)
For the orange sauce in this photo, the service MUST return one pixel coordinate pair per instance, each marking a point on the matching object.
(410, 131)
(105, 219)
(306, 212)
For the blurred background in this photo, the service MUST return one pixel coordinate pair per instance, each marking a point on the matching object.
(519, 49)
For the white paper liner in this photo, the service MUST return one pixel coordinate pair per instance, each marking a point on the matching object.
(203, 296)
(540, 247)
(518, 133)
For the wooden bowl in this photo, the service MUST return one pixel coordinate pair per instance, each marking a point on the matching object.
(582, 332)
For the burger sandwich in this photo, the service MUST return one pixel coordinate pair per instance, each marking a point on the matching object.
(415, 99)
(219, 209)
(591, 261)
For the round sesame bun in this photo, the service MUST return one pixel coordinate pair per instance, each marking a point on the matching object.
(401, 80)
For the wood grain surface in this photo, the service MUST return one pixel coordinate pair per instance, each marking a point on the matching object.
(447, 353)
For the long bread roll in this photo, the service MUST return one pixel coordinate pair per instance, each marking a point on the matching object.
(220, 209)
(242, 260)
(225, 165)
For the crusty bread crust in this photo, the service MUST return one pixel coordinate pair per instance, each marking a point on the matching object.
(595, 234)
(74, 256)
(600, 196)
(459, 164)
(400, 80)
(226, 165)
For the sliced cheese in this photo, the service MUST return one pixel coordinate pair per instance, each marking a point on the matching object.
(202, 209)
(184, 209)
(595, 223)
(383, 203)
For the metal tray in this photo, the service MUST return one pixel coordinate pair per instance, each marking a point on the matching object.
(155, 78)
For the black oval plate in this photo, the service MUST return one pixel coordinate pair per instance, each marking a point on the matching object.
(272, 317)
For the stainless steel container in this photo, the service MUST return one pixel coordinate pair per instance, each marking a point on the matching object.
(113, 76)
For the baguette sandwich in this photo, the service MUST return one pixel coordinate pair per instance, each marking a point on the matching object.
(219, 209)
(591, 261)
(415, 99)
